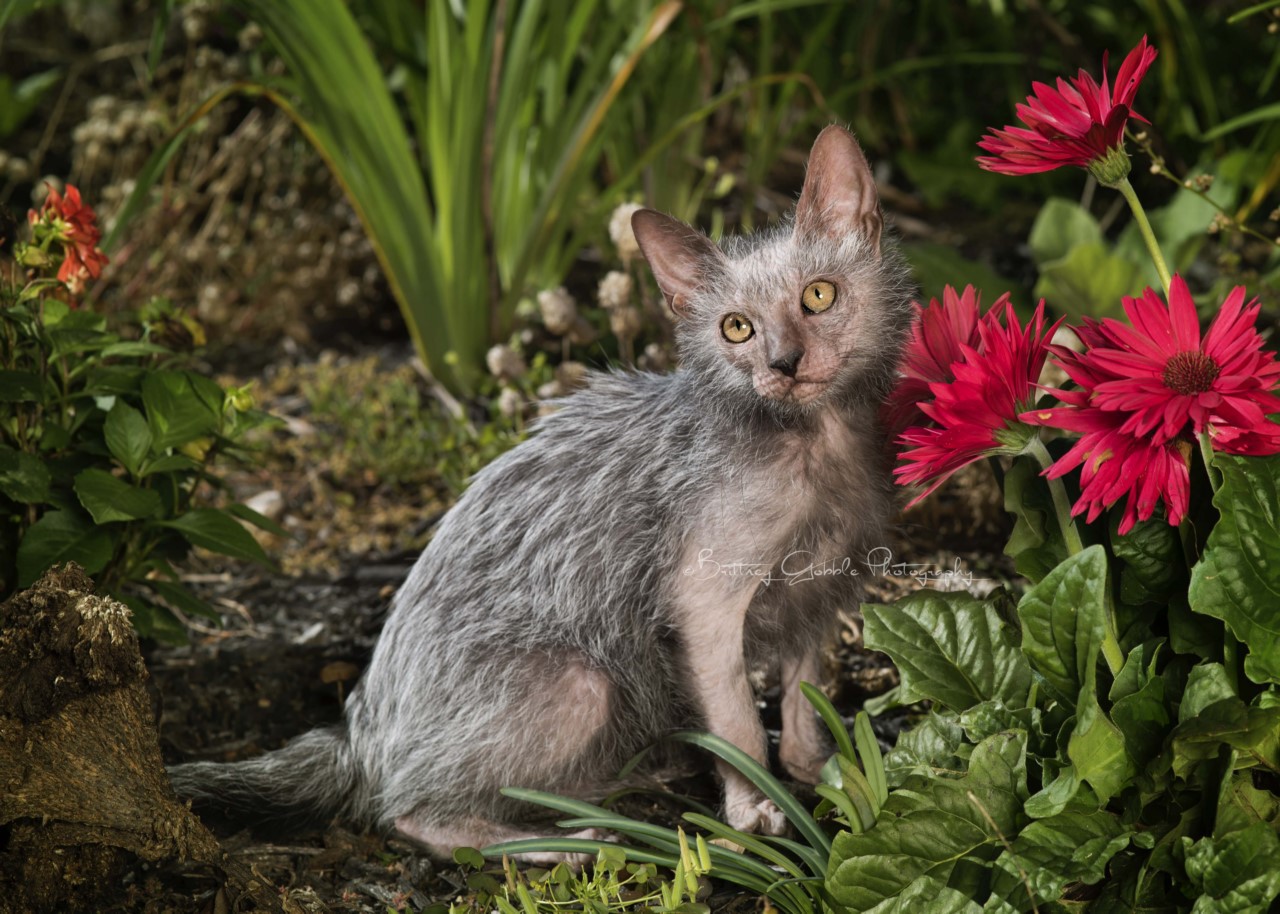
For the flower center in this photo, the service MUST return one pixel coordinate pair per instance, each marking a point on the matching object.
(1190, 372)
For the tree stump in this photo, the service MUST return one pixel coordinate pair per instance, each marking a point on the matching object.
(84, 796)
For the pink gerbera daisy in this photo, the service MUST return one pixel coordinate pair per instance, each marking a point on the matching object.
(1147, 390)
(937, 337)
(1079, 123)
(976, 414)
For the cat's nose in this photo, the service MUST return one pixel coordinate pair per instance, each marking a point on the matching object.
(786, 364)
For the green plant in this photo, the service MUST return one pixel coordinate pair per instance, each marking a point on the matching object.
(790, 873)
(620, 880)
(106, 440)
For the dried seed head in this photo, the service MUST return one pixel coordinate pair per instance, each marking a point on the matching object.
(510, 403)
(624, 239)
(625, 322)
(571, 375)
(504, 362)
(615, 290)
(558, 310)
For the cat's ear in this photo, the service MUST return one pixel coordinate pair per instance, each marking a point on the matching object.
(839, 195)
(681, 259)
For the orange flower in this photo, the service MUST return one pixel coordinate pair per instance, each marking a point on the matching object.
(76, 227)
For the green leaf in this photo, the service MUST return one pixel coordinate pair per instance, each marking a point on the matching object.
(261, 521)
(1060, 226)
(181, 598)
(936, 265)
(62, 536)
(1139, 706)
(181, 406)
(928, 832)
(1073, 846)
(108, 499)
(24, 478)
(218, 532)
(1063, 620)
(936, 743)
(1153, 563)
(1036, 544)
(128, 436)
(1097, 748)
(1237, 873)
(1253, 732)
(951, 648)
(1207, 684)
(927, 894)
(1237, 579)
(21, 387)
(1090, 280)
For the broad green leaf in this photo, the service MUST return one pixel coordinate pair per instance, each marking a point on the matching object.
(1063, 620)
(1073, 846)
(178, 596)
(1241, 804)
(1153, 561)
(1139, 705)
(1207, 684)
(181, 406)
(926, 833)
(936, 743)
(1237, 579)
(1035, 545)
(128, 436)
(1055, 796)
(951, 648)
(927, 894)
(62, 536)
(24, 478)
(1253, 732)
(218, 532)
(992, 717)
(1238, 873)
(1097, 748)
(1090, 280)
(108, 499)
(1060, 226)
(261, 521)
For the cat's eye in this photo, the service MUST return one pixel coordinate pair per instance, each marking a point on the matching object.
(818, 296)
(736, 328)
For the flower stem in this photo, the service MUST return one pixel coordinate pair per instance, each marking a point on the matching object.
(1111, 649)
(1206, 454)
(1061, 505)
(1144, 227)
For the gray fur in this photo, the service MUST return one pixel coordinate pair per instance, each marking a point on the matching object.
(560, 574)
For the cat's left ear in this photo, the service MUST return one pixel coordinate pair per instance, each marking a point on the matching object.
(839, 195)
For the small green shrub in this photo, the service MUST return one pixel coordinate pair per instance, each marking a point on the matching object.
(105, 441)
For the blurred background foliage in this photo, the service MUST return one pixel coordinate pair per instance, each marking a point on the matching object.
(293, 167)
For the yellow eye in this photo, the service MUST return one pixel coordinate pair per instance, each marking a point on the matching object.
(736, 328)
(818, 296)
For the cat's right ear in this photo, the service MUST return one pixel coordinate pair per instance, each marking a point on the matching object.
(681, 259)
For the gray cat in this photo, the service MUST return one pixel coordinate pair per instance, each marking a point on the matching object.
(614, 577)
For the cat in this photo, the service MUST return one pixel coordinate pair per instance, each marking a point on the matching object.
(615, 576)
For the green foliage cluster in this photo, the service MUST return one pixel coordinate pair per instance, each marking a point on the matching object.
(104, 444)
(1042, 780)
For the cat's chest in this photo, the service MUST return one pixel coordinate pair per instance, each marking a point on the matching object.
(810, 491)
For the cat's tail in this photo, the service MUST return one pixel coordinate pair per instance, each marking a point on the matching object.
(311, 779)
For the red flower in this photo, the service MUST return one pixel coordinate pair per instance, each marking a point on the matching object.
(1080, 123)
(1146, 391)
(1116, 464)
(939, 332)
(75, 225)
(976, 414)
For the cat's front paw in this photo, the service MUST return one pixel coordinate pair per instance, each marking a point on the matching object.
(756, 814)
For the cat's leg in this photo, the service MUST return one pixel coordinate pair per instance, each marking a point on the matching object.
(442, 839)
(802, 748)
(541, 731)
(712, 613)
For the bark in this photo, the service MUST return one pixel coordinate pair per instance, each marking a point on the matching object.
(84, 798)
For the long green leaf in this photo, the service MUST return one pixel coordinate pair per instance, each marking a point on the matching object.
(758, 775)
(830, 716)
